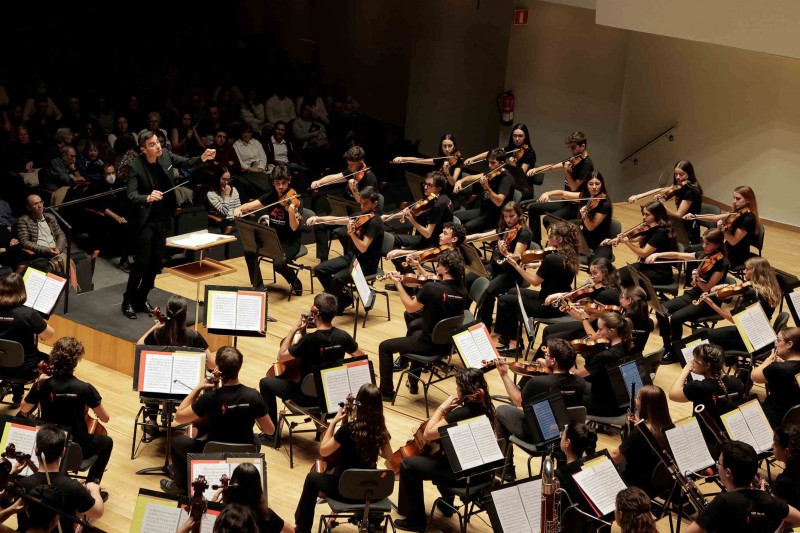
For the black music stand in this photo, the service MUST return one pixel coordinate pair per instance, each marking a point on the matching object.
(260, 240)
(342, 207)
(788, 282)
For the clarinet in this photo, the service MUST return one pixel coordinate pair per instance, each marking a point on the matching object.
(696, 498)
(551, 498)
(722, 437)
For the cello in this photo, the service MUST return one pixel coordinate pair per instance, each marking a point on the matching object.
(331, 462)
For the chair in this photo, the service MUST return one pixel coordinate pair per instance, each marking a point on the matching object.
(12, 355)
(74, 463)
(708, 209)
(386, 247)
(294, 410)
(371, 488)
(473, 495)
(477, 293)
(215, 446)
(652, 361)
(438, 367)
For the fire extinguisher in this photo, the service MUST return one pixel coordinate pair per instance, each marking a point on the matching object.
(505, 107)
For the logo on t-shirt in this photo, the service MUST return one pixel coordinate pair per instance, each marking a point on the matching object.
(447, 296)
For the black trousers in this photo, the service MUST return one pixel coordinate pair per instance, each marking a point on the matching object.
(408, 344)
(499, 285)
(474, 220)
(323, 233)
(413, 471)
(281, 266)
(274, 388)
(681, 310)
(565, 210)
(508, 311)
(654, 274)
(183, 445)
(151, 248)
(100, 445)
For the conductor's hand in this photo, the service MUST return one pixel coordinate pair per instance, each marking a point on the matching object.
(155, 196)
(210, 153)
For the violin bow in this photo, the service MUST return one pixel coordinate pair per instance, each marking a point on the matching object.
(487, 157)
(297, 195)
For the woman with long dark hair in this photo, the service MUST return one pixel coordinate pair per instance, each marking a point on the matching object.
(470, 383)
(448, 150)
(633, 512)
(171, 330)
(357, 444)
(245, 488)
(223, 198)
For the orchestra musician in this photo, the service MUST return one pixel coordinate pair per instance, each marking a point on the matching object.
(632, 511)
(577, 169)
(556, 273)
(366, 236)
(709, 273)
(356, 444)
(79, 498)
(559, 358)
(285, 218)
(40, 519)
(786, 449)
(741, 507)
(231, 409)
(449, 160)
(416, 469)
(577, 441)
(688, 195)
(437, 300)
(779, 373)
(64, 399)
(617, 330)
(655, 236)
(325, 343)
(638, 457)
(244, 488)
(514, 238)
(21, 324)
(519, 153)
(497, 191)
(428, 224)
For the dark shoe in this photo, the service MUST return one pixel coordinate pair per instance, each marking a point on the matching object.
(128, 310)
(404, 524)
(670, 359)
(444, 508)
(169, 486)
(124, 265)
(413, 388)
(387, 397)
(400, 364)
(390, 287)
(273, 441)
(297, 288)
(144, 307)
(104, 495)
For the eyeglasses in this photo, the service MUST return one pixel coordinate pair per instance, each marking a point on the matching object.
(426, 185)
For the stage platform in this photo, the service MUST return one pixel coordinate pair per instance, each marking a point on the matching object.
(109, 337)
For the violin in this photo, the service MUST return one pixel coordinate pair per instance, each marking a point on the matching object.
(453, 159)
(587, 347)
(198, 506)
(598, 308)
(575, 295)
(431, 254)
(726, 292)
(636, 231)
(290, 197)
(412, 280)
(521, 368)
(424, 205)
(418, 445)
(732, 216)
(93, 425)
(707, 265)
(593, 203)
(520, 152)
(358, 175)
(570, 163)
(360, 220)
(530, 256)
(669, 192)
(224, 484)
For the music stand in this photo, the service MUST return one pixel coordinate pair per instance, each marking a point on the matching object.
(583, 246)
(622, 373)
(260, 240)
(414, 182)
(787, 282)
(644, 283)
(342, 207)
(473, 260)
(213, 464)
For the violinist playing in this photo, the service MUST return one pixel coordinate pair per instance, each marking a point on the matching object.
(555, 273)
(231, 409)
(285, 218)
(577, 169)
(64, 400)
(708, 273)
(740, 226)
(428, 224)
(560, 357)
(357, 443)
(325, 343)
(653, 235)
(472, 399)
(366, 240)
(437, 300)
(497, 191)
(449, 161)
(519, 153)
(513, 238)
(760, 286)
(688, 196)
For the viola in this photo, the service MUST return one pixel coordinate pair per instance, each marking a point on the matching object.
(598, 308)
(358, 175)
(198, 506)
(587, 347)
(431, 254)
(412, 280)
(669, 192)
(726, 292)
(636, 231)
(732, 216)
(419, 445)
(570, 163)
(532, 256)
(360, 220)
(453, 159)
(707, 265)
(424, 205)
(522, 368)
(520, 152)
(593, 203)
(512, 233)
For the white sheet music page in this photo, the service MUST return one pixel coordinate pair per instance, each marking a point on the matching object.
(468, 349)
(250, 311)
(601, 482)
(34, 281)
(465, 447)
(24, 440)
(362, 286)
(483, 340)
(794, 299)
(688, 446)
(531, 493)
(159, 518)
(335, 386)
(737, 428)
(358, 374)
(157, 372)
(510, 509)
(48, 296)
(222, 310)
(759, 426)
(187, 371)
(485, 439)
(754, 327)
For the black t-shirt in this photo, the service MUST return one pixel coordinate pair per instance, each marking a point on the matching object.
(640, 461)
(571, 386)
(603, 230)
(439, 214)
(784, 392)
(658, 238)
(22, 324)
(741, 252)
(503, 185)
(441, 300)
(369, 180)
(273, 524)
(465, 412)
(525, 237)
(709, 393)
(743, 510)
(690, 193)
(77, 498)
(785, 488)
(642, 326)
(279, 219)
(557, 276)
(580, 173)
(371, 257)
(193, 339)
(752, 295)
(603, 398)
(321, 346)
(348, 454)
(231, 411)
(606, 296)
(719, 266)
(63, 400)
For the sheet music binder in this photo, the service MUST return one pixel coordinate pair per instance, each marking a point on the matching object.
(234, 332)
(587, 462)
(137, 370)
(177, 501)
(682, 347)
(452, 455)
(529, 492)
(231, 458)
(620, 374)
(545, 416)
(328, 404)
(365, 292)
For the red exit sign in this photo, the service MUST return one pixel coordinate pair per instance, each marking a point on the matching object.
(520, 17)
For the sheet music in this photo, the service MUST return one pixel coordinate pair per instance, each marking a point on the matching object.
(213, 470)
(546, 419)
(737, 428)
(222, 308)
(483, 340)
(157, 373)
(187, 368)
(196, 239)
(24, 439)
(794, 299)
(518, 507)
(686, 352)
(759, 426)
(630, 374)
(754, 327)
(601, 483)
(468, 349)
(48, 296)
(161, 517)
(688, 446)
(464, 445)
(335, 386)
(363, 288)
(485, 439)
(250, 310)
(34, 281)
(357, 375)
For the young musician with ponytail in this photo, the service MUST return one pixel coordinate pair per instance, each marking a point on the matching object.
(779, 373)
(172, 330)
(717, 392)
(633, 512)
(244, 488)
(618, 331)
